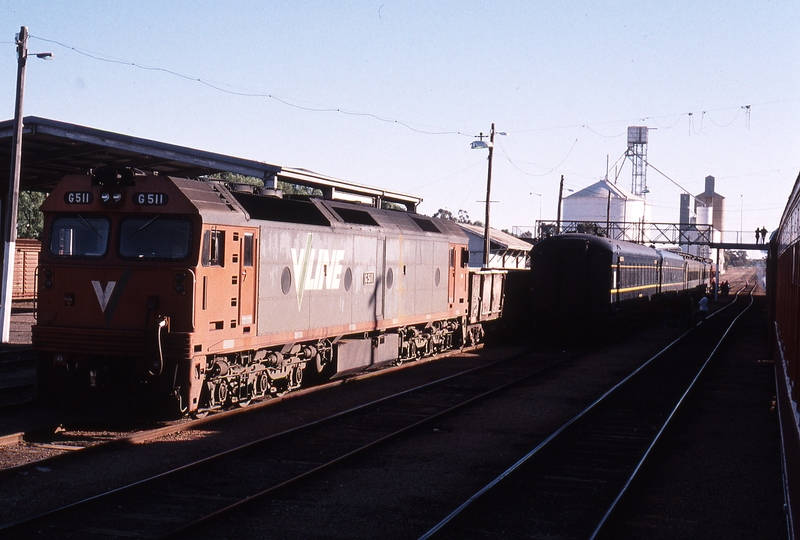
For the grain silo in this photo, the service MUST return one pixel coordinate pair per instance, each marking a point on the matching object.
(717, 202)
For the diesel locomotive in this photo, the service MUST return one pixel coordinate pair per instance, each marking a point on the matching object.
(189, 295)
(586, 281)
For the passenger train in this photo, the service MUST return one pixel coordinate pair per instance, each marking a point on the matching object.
(584, 281)
(189, 295)
(783, 291)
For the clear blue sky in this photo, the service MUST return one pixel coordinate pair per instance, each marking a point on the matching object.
(563, 79)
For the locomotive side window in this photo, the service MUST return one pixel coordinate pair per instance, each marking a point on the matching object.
(78, 236)
(248, 249)
(155, 238)
(214, 248)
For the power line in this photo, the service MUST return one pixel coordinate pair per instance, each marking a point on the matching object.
(291, 102)
(665, 176)
(434, 130)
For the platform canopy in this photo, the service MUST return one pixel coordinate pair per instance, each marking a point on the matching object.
(53, 149)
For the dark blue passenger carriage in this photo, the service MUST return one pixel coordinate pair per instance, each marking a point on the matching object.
(581, 280)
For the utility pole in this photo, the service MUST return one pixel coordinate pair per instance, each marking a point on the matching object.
(12, 198)
(560, 195)
(486, 239)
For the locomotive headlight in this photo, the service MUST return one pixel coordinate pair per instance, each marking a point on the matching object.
(48, 278)
(58, 359)
(112, 197)
(180, 278)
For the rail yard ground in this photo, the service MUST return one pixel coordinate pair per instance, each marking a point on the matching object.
(22, 318)
(717, 475)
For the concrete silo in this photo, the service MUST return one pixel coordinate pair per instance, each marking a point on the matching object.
(717, 203)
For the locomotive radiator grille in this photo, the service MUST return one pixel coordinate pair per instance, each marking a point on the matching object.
(108, 342)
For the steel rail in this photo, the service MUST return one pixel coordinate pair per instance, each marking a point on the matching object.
(186, 424)
(555, 435)
(381, 440)
(667, 422)
(271, 438)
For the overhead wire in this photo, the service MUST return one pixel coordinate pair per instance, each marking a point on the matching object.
(424, 129)
(434, 130)
(545, 173)
(291, 102)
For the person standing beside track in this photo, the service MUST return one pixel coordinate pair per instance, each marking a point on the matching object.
(703, 308)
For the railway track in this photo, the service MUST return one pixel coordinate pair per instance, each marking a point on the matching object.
(48, 445)
(570, 484)
(16, 377)
(192, 494)
(206, 492)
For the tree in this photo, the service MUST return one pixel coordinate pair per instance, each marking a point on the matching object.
(285, 187)
(735, 258)
(30, 220)
(442, 213)
(462, 217)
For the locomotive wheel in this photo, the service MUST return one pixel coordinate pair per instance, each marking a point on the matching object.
(297, 376)
(262, 384)
(320, 371)
(222, 393)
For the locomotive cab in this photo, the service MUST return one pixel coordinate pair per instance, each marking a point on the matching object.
(115, 284)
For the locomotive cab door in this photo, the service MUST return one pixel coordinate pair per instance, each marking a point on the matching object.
(248, 255)
(451, 280)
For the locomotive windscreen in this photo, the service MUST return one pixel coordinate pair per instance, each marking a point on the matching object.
(79, 236)
(155, 238)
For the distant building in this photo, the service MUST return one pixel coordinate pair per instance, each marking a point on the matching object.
(716, 202)
(604, 201)
(505, 251)
(694, 213)
(707, 208)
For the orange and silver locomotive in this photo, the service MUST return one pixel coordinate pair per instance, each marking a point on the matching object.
(190, 295)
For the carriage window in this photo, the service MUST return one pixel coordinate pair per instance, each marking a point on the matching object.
(214, 248)
(155, 237)
(78, 236)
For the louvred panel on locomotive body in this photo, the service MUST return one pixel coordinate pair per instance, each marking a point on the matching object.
(345, 278)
